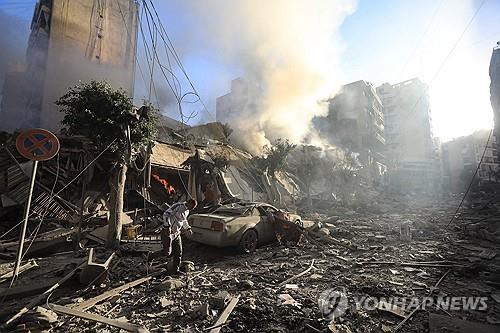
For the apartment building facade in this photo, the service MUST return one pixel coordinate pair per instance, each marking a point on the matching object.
(410, 153)
(70, 42)
(462, 156)
(355, 122)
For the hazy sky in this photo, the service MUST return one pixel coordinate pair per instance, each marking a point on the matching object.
(381, 41)
(396, 40)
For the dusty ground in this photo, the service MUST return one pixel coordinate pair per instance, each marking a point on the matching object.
(186, 303)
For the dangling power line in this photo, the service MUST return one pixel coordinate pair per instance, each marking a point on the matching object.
(155, 29)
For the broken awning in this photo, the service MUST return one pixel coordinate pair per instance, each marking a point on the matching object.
(169, 155)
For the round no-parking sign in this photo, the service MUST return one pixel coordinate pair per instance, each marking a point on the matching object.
(37, 144)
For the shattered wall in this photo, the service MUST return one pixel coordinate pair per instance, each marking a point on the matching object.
(355, 122)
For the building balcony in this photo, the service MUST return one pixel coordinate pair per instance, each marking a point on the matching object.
(378, 156)
(379, 138)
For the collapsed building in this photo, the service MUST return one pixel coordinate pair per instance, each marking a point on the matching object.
(355, 122)
(231, 103)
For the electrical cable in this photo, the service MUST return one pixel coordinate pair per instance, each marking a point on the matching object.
(147, 52)
(169, 48)
(51, 196)
(37, 229)
(176, 56)
(175, 86)
(421, 39)
(135, 54)
(75, 178)
(446, 58)
(472, 180)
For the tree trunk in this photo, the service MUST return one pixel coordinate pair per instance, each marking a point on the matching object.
(309, 199)
(117, 189)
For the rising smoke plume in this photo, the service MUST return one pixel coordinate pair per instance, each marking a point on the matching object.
(289, 52)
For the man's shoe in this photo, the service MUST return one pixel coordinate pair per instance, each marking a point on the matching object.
(176, 273)
(149, 257)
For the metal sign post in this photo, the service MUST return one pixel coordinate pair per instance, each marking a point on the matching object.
(36, 145)
(22, 235)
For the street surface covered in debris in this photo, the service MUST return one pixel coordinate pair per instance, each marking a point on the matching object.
(362, 255)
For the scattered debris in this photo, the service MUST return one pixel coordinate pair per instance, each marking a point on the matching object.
(439, 323)
(38, 299)
(85, 305)
(24, 267)
(298, 275)
(94, 273)
(224, 315)
(90, 316)
(383, 306)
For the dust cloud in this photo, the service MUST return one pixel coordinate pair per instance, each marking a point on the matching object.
(12, 43)
(289, 51)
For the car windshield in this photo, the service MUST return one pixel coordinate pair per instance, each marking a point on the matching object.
(233, 211)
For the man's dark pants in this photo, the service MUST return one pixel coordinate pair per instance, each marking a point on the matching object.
(176, 244)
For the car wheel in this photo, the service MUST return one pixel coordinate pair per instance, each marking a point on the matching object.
(248, 242)
(299, 223)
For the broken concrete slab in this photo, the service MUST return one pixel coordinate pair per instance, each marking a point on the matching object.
(220, 300)
(170, 284)
(394, 309)
(165, 302)
(24, 267)
(19, 292)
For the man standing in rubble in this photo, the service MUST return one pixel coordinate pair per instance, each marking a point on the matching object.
(174, 222)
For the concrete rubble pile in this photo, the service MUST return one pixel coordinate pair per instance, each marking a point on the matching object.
(278, 287)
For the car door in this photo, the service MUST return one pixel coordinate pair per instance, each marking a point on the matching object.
(266, 228)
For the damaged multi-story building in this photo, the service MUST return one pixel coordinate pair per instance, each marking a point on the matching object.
(495, 89)
(243, 96)
(70, 41)
(462, 156)
(232, 102)
(355, 122)
(410, 156)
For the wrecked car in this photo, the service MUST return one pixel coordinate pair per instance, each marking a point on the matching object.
(245, 225)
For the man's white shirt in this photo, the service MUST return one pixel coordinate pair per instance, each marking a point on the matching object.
(176, 218)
